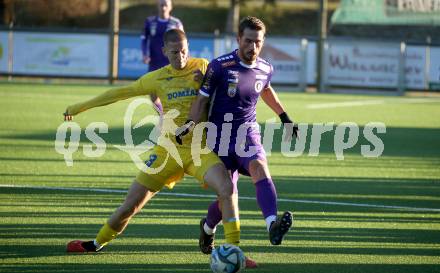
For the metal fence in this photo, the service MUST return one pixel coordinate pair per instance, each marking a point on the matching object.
(347, 63)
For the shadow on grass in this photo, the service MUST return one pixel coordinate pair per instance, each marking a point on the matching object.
(204, 267)
(299, 192)
(334, 239)
(171, 214)
(105, 267)
(201, 267)
(400, 142)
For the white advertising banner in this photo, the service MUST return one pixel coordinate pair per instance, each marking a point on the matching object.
(285, 56)
(311, 63)
(368, 64)
(415, 67)
(434, 70)
(61, 54)
(362, 64)
(4, 52)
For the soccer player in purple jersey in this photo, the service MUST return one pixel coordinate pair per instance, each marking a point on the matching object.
(233, 83)
(152, 39)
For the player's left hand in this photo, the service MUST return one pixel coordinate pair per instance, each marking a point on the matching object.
(67, 116)
(146, 59)
(184, 130)
(291, 128)
(198, 75)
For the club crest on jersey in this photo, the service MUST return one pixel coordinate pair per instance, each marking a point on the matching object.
(232, 83)
(232, 89)
(258, 86)
(153, 28)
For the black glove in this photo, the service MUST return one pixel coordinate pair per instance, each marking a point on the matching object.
(67, 116)
(184, 130)
(286, 120)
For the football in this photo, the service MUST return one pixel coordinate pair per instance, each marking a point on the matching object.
(227, 258)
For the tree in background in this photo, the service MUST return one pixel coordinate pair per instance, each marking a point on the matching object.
(48, 12)
(233, 16)
(234, 13)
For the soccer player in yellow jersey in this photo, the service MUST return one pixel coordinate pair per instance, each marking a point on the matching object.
(176, 86)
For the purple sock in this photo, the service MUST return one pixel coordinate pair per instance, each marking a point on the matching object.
(266, 197)
(214, 214)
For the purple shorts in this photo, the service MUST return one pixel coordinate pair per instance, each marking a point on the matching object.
(238, 160)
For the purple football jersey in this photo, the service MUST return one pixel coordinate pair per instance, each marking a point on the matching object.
(235, 88)
(152, 39)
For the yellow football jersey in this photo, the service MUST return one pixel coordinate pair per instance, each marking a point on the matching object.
(177, 89)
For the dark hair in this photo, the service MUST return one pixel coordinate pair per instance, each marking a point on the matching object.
(174, 35)
(252, 23)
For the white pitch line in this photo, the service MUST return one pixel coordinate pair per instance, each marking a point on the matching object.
(344, 104)
(370, 102)
(210, 196)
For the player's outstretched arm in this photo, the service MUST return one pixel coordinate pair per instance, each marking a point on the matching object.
(108, 97)
(197, 109)
(271, 99)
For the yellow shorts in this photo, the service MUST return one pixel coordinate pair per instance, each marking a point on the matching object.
(170, 170)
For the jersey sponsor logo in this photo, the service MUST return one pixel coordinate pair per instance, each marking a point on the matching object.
(261, 77)
(183, 93)
(153, 28)
(233, 74)
(258, 86)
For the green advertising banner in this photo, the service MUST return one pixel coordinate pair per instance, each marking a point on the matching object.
(388, 12)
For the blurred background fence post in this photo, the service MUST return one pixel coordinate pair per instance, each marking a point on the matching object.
(322, 26)
(114, 39)
(303, 65)
(401, 83)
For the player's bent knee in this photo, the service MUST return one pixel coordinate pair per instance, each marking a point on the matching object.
(258, 169)
(226, 190)
(217, 178)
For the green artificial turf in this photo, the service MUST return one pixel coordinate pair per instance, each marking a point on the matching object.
(378, 215)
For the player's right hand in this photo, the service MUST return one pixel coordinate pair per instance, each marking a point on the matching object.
(146, 59)
(184, 130)
(67, 116)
